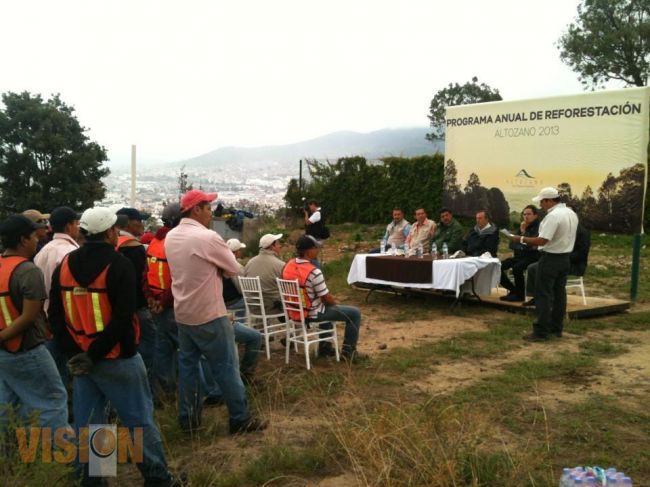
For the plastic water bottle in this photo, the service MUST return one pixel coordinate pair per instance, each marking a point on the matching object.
(393, 249)
(566, 477)
(434, 251)
(406, 250)
(382, 246)
(419, 251)
(445, 251)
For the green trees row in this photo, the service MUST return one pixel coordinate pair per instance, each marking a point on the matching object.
(355, 190)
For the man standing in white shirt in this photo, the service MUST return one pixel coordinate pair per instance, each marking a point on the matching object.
(65, 224)
(557, 234)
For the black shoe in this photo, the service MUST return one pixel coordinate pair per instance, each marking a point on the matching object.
(251, 425)
(213, 401)
(354, 357)
(326, 351)
(535, 338)
(511, 297)
(530, 302)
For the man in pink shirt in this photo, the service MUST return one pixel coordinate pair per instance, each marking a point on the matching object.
(198, 257)
(65, 224)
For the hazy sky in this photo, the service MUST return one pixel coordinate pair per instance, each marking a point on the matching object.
(185, 77)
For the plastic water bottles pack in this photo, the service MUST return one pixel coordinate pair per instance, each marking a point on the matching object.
(593, 476)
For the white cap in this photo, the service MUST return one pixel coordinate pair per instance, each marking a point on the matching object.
(97, 220)
(268, 239)
(549, 193)
(234, 245)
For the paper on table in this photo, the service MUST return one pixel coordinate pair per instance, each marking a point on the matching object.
(506, 232)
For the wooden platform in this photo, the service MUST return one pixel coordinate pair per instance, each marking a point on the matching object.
(596, 306)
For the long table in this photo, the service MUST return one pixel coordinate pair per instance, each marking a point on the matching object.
(482, 274)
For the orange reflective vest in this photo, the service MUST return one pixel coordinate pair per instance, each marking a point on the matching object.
(300, 271)
(9, 312)
(158, 275)
(88, 309)
(123, 239)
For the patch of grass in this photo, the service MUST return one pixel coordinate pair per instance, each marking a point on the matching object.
(636, 321)
(602, 348)
(500, 391)
(603, 431)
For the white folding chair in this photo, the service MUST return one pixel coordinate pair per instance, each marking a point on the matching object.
(580, 284)
(297, 331)
(251, 289)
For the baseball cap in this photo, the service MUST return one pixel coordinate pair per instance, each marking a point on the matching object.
(97, 220)
(268, 239)
(194, 197)
(131, 213)
(18, 225)
(234, 245)
(35, 215)
(307, 242)
(549, 193)
(63, 215)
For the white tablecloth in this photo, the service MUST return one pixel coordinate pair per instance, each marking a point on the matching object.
(448, 274)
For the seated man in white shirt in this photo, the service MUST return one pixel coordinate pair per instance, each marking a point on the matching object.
(396, 231)
(421, 231)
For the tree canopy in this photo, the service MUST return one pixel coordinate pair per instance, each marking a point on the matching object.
(610, 39)
(455, 94)
(354, 190)
(46, 159)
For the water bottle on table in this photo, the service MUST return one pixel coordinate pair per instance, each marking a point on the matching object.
(419, 251)
(445, 251)
(382, 246)
(434, 251)
(406, 250)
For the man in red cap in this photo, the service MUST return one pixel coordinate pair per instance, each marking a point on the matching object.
(198, 257)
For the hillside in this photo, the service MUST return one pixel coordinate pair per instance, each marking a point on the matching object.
(387, 142)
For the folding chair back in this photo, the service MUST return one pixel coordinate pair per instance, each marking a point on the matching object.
(294, 314)
(251, 289)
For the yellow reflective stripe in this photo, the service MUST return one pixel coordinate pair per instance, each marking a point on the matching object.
(68, 308)
(5, 311)
(97, 310)
(160, 275)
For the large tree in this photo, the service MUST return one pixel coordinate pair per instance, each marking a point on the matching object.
(455, 94)
(46, 159)
(609, 40)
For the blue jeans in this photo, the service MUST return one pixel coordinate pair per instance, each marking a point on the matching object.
(165, 363)
(123, 382)
(30, 383)
(215, 340)
(352, 318)
(147, 345)
(252, 341)
(60, 360)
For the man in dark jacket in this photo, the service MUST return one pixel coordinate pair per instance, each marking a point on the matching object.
(484, 237)
(92, 315)
(448, 231)
(580, 254)
(131, 229)
(524, 255)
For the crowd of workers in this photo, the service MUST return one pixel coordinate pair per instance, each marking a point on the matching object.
(95, 324)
